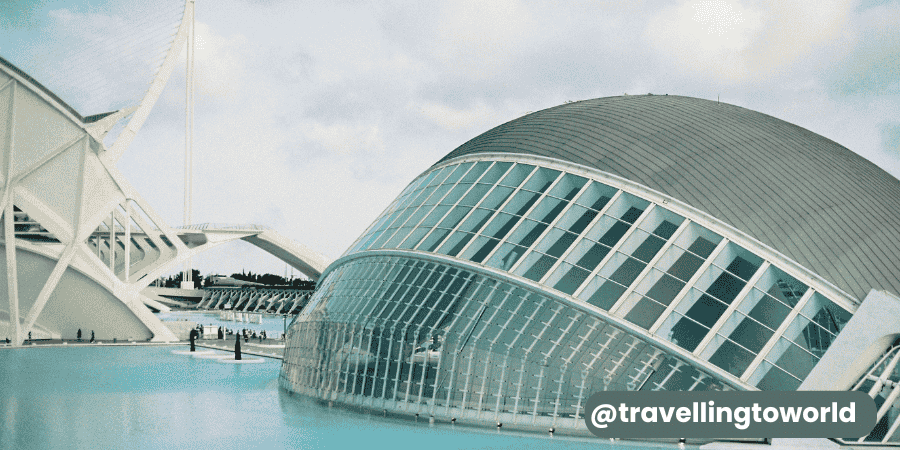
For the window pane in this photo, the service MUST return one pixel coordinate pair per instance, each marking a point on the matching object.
(572, 279)
(645, 313)
(606, 295)
(732, 358)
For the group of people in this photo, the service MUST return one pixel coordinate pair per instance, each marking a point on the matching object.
(77, 335)
(245, 333)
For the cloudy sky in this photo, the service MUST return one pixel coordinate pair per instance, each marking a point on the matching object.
(312, 116)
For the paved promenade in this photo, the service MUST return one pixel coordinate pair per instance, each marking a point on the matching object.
(269, 348)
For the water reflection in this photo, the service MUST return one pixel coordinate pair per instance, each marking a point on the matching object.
(148, 398)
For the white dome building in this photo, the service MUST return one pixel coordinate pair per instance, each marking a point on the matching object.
(623, 243)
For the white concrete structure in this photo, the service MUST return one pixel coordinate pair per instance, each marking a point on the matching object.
(253, 299)
(86, 243)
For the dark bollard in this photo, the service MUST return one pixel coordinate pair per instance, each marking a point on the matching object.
(193, 337)
(237, 348)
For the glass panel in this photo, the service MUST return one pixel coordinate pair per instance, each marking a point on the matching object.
(576, 219)
(596, 196)
(648, 249)
(666, 289)
(702, 247)
(765, 309)
(706, 310)
(482, 248)
(603, 293)
(496, 197)
(685, 266)
(796, 361)
(434, 239)
(661, 222)
(541, 180)
(568, 278)
(496, 171)
(439, 175)
(414, 238)
(751, 335)
(527, 233)
(738, 261)
(457, 173)
(474, 195)
(476, 220)
(645, 313)
(455, 243)
(535, 266)
(732, 357)
(438, 194)
(456, 193)
(568, 186)
(455, 216)
(517, 175)
(776, 379)
(547, 210)
(686, 333)
(628, 271)
(476, 172)
(726, 287)
(506, 256)
(588, 254)
(521, 203)
(556, 242)
(435, 216)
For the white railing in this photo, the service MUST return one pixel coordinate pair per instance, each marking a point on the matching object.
(224, 226)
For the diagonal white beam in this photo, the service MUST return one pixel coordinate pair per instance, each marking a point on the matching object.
(61, 265)
(49, 156)
(137, 120)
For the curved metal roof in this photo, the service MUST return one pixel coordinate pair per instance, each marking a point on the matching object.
(802, 194)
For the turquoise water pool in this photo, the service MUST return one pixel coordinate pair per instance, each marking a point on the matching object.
(148, 398)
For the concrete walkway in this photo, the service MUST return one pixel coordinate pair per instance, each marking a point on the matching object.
(269, 348)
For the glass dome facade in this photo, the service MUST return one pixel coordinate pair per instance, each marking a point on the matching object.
(509, 288)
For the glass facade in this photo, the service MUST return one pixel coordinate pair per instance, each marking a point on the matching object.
(430, 338)
(495, 282)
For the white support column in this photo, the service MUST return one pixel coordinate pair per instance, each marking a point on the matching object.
(127, 241)
(12, 278)
(112, 241)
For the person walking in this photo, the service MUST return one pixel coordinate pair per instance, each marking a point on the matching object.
(92, 335)
(78, 335)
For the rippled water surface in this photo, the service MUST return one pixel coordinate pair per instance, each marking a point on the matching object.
(148, 398)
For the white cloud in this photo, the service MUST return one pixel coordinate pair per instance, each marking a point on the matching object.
(480, 38)
(311, 118)
(734, 42)
(344, 139)
(454, 119)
